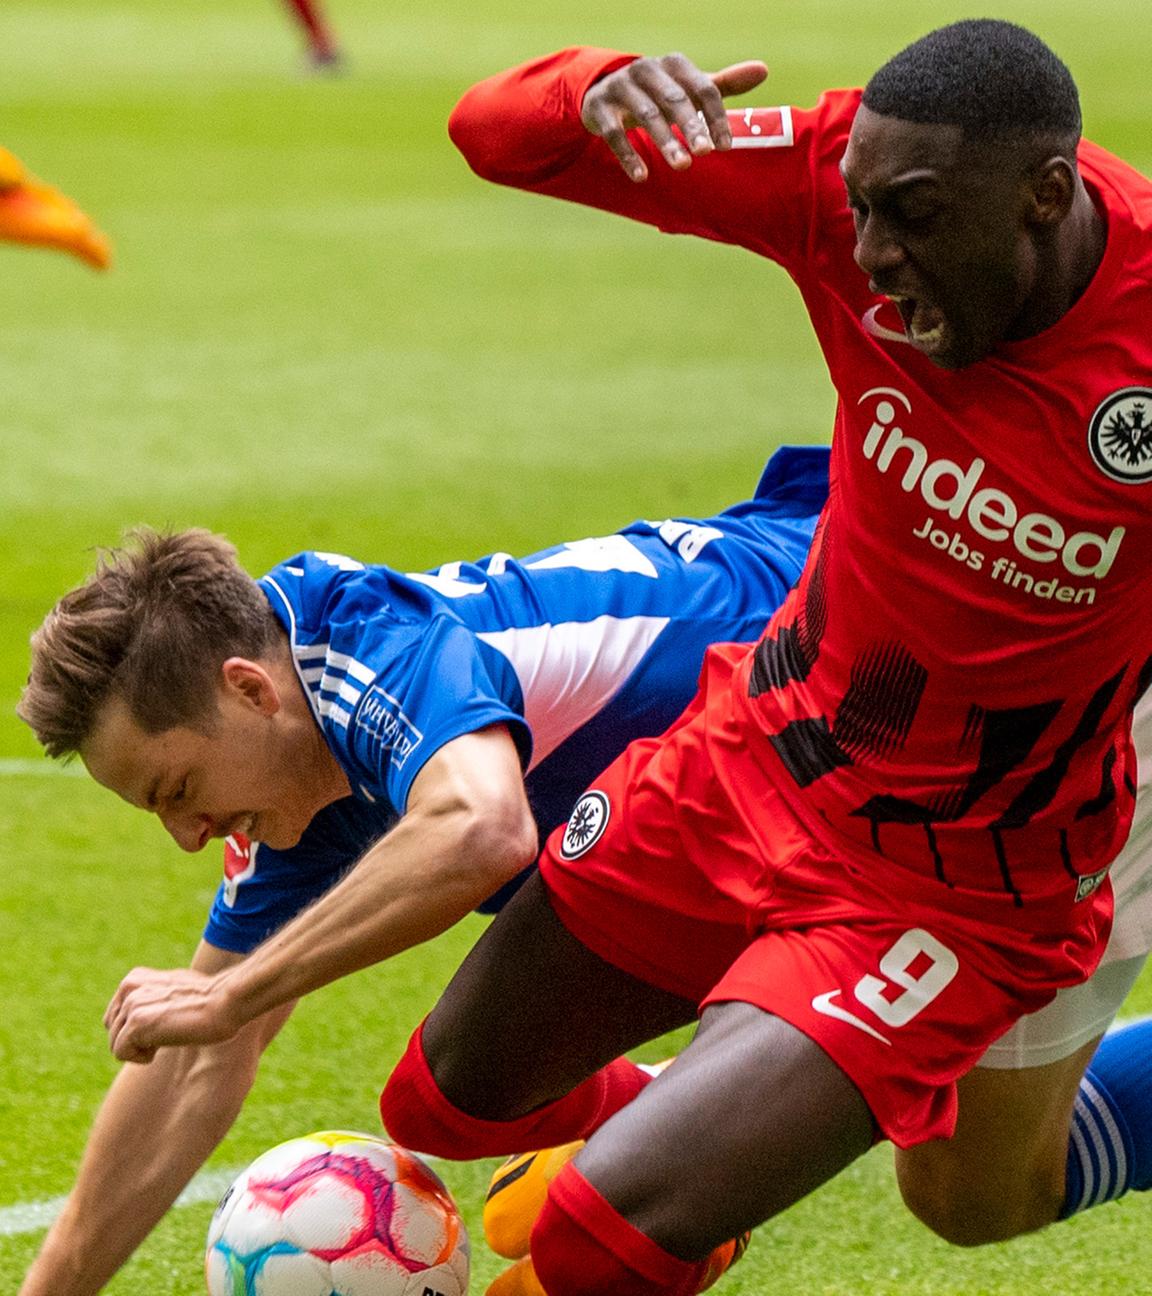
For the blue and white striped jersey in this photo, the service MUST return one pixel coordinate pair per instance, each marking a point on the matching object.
(577, 649)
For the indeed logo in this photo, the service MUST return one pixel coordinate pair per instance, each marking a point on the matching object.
(956, 491)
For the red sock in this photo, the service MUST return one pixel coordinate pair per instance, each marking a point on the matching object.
(581, 1246)
(320, 37)
(417, 1115)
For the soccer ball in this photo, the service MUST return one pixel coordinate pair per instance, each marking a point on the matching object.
(337, 1214)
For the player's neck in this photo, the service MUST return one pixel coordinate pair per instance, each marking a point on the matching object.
(330, 780)
(317, 768)
(1067, 264)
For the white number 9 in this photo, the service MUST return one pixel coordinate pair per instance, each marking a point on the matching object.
(917, 991)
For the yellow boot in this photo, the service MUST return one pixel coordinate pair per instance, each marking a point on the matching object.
(516, 1197)
(520, 1280)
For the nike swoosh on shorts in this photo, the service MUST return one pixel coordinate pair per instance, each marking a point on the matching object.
(823, 1004)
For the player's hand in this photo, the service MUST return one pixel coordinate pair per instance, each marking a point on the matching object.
(657, 94)
(152, 1010)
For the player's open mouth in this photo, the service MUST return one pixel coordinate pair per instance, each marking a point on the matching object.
(924, 323)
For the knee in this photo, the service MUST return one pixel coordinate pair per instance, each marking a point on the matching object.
(947, 1216)
(432, 1070)
(968, 1214)
(419, 1114)
(480, 1072)
(415, 1109)
(405, 1106)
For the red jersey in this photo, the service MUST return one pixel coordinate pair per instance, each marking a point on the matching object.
(948, 689)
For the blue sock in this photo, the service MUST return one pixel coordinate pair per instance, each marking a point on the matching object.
(1110, 1150)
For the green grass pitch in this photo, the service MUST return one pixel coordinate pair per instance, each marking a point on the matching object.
(321, 331)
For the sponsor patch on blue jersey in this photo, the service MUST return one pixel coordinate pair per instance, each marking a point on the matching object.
(394, 736)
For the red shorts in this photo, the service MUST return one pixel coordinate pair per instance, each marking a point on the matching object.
(684, 866)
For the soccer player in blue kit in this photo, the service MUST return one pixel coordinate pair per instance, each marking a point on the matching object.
(431, 726)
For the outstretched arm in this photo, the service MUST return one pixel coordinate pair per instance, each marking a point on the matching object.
(589, 125)
(527, 126)
(156, 1128)
(467, 830)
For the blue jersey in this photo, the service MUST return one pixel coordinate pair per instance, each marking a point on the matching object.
(577, 650)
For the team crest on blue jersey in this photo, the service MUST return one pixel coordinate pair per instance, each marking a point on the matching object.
(1120, 435)
(239, 864)
(585, 825)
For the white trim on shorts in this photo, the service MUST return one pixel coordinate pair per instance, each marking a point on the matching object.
(1083, 1012)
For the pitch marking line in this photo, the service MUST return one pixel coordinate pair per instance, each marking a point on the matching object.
(29, 1217)
(15, 768)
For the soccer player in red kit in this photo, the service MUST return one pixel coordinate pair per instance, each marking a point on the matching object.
(882, 834)
(323, 50)
(1055, 406)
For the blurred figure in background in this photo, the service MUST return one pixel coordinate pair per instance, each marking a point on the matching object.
(323, 51)
(35, 213)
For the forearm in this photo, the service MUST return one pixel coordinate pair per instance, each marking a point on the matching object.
(467, 829)
(522, 127)
(565, 127)
(156, 1127)
(428, 873)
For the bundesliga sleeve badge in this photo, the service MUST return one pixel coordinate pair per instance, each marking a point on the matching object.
(760, 128)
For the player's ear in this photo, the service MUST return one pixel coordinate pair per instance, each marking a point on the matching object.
(1052, 192)
(251, 683)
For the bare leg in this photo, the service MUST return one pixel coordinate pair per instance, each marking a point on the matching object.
(1003, 1172)
(532, 1011)
(749, 1118)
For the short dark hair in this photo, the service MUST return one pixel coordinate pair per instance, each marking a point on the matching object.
(993, 79)
(152, 626)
